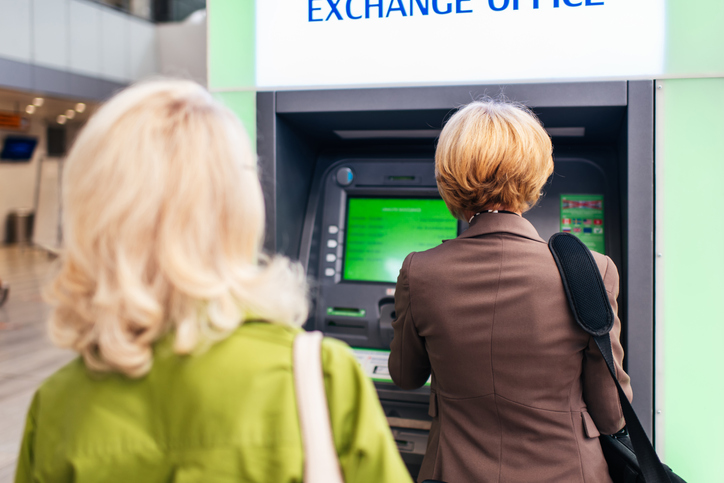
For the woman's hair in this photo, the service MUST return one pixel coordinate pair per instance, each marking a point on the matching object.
(163, 225)
(492, 154)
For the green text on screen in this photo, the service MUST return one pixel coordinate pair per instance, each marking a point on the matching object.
(381, 232)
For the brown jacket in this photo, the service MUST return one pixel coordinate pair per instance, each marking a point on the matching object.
(519, 391)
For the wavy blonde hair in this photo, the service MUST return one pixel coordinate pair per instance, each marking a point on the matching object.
(163, 225)
(492, 154)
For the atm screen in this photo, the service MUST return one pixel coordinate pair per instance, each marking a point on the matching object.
(381, 232)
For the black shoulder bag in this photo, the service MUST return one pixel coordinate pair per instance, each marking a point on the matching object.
(627, 462)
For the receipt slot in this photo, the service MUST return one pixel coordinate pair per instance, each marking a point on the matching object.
(349, 186)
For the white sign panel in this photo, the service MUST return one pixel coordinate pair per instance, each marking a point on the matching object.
(415, 42)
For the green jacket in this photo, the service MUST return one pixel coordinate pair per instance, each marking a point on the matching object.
(227, 415)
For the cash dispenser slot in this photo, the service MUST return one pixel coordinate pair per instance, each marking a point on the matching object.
(410, 425)
(412, 442)
(346, 327)
(346, 321)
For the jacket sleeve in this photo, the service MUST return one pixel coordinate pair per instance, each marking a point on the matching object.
(409, 363)
(599, 390)
(24, 472)
(365, 446)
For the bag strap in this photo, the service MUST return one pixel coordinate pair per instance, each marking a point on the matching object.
(321, 464)
(588, 300)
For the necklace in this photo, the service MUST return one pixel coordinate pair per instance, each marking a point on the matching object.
(491, 211)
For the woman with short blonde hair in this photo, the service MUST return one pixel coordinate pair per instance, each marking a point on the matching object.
(519, 392)
(184, 327)
(485, 139)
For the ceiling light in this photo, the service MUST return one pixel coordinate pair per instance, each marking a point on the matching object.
(61, 119)
(80, 107)
(70, 113)
(30, 109)
(38, 101)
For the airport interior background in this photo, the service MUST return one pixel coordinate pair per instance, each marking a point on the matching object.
(343, 102)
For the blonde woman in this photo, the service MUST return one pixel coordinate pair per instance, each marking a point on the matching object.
(184, 328)
(520, 393)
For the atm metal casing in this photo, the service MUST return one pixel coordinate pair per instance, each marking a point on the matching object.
(301, 145)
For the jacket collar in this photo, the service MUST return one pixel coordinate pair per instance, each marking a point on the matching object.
(488, 223)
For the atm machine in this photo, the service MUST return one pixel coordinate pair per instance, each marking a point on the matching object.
(349, 184)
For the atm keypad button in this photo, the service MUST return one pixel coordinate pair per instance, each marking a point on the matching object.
(332, 243)
(333, 229)
(331, 257)
(330, 272)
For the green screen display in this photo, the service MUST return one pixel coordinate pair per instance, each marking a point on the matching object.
(381, 232)
(582, 216)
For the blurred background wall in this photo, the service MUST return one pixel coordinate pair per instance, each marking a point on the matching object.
(67, 52)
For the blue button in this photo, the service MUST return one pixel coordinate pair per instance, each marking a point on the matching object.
(345, 176)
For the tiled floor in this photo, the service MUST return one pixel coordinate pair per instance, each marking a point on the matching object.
(26, 355)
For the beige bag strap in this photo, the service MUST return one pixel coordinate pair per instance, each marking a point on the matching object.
(321, 464)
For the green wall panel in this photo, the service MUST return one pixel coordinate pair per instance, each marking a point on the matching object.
(690, 276)
(232, 44)
(694, 37)
(232, 58)
(243, 103)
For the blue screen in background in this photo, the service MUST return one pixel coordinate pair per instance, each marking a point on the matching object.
(16, 148)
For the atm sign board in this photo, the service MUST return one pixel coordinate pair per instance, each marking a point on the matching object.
(582, 216)
(308, 43)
